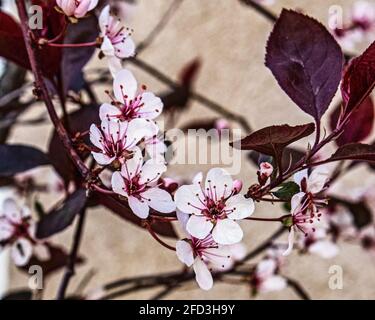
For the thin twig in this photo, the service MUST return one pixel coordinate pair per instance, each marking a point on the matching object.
(160, 26)
(214, 106)
(298, 289)
(70, 269)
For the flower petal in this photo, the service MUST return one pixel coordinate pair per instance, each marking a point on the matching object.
(151, 172)
(93, 4)
(118, 184)
(12, 211)
(187, 199)
(152, 106)
(96, 137)
(102, 159)
(274, 283)
(220, 182)
(82, 8)
(124, 85)
(125, 49)
(202, 274)
(137, 130)
(242, 207)
(139, 207)
(159, 200)
(324, 248)
(300, 175)
(104, 19)
(6, 230)
(108, 111)
(185, 252)
(21, 252)
(317, 180)
(289, 250)
(114, 65)
(133, 166)
(227, 232)
(199, 227)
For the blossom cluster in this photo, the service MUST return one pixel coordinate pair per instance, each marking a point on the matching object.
(359, 28)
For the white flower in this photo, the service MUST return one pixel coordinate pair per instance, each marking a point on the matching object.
(363, 15)
(138, 182)
(265, 278)
(17, 230)
(313, 183)
(76, 8)
(214, 207)
(129, 103)
(117, 43)
(117, 140)
(304, 218)
(205, 255)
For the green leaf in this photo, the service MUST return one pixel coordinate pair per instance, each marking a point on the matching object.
(287, 191)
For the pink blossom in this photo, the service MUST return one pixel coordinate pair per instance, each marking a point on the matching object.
(266, 279)
(17, 230)
(76, 8)
(214, 207)
(266, 169)
(206, 256)
(117, 43)
(303, 219)
(129, 103)
(139, 183)
(117, 140)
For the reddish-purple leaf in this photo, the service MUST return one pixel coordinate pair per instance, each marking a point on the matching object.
(272, 140)
(306, 61)
(359, 79)
(12, 46)
(123, 211)
(359, 126)
(189, 73)
(62, 217)
(354, 151)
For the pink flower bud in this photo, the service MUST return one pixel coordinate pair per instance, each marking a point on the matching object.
(237, 186)
(76, 8)
(221, 124)
(266, 169)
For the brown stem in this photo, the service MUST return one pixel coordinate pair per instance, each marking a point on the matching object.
(40, 84)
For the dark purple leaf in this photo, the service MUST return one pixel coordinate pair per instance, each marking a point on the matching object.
(80, 121)
(19, 158)
(359, 79)
(272, 140)
(124, 212)
(306, 61)
(61, 218)
(360, 211)
(354, 151)
(359, 126)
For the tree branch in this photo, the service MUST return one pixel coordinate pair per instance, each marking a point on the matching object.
(40, 84)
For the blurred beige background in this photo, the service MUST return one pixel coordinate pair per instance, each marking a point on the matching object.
(230, 40)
